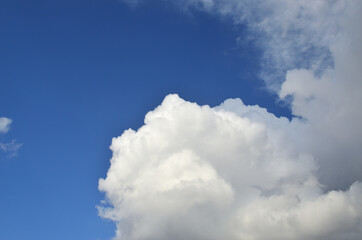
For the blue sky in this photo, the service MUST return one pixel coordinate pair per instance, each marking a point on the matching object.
(75, 74)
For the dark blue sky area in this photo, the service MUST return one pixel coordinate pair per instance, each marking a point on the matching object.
(74, 74)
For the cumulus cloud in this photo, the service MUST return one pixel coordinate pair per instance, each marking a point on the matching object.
(239, 172)
(229, 172)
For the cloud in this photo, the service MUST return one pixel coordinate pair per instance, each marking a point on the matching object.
(229, 172)
(5, 124)
(239, 172)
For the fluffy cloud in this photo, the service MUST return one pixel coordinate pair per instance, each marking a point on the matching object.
(239, 172)
(227, 172)
(4, 124)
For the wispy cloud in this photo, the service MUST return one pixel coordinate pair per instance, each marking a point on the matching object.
(10, 148)
(292, 34)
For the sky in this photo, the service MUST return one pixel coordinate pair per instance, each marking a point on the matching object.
(197, 119)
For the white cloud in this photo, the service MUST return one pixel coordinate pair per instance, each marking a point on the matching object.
(239, 172)
(229, 172)
(4, 124)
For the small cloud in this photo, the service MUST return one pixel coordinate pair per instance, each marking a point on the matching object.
(5, 124)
